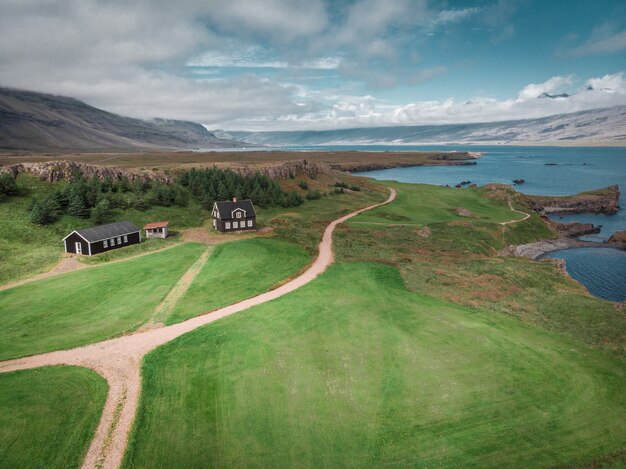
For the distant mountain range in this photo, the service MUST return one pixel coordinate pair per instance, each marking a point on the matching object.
(36, 121)
(594, 127)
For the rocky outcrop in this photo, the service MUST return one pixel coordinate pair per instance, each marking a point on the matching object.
(540, 248)
(287, 170)
(463, 212)
(433, 159)
(575, 229)
(53, 171)
(599, 201)
(618, 237)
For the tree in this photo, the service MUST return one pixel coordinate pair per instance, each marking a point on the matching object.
(101, 212)
(222, 192)
(7, 184)
(77, 206)
(41, 213)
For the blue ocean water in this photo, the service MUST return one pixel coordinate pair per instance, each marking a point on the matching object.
(547, 171)
(601, 270)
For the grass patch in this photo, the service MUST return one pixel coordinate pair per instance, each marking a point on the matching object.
(375, 376)
(420, 204)
(88, 305)
(236, 271)
(48, 416)
(146, 246)
(457, 262)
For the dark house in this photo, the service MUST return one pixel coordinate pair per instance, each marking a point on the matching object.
(97, 239)
(234, 215)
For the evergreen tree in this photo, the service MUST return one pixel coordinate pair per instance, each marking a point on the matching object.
(101, 212)
(222, 192)
(8, 186)
(77, 206)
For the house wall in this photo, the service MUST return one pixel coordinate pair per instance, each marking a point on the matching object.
(70, 244)
(220, 224)
(98, 246)
(157, 234)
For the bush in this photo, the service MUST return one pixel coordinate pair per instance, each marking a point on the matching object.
(355, 188)
(303, 185)
(314, 195)
(7, 185)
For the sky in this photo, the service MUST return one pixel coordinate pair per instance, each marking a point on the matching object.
(319, 64)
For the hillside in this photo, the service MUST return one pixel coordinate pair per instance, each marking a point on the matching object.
(36, 121)
(595, 127)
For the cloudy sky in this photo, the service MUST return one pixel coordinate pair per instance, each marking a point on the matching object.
(319, 64)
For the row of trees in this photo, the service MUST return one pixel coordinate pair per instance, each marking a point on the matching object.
(95, 198)
(214, 184)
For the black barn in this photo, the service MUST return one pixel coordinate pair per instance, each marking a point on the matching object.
(97, 239)
(234, 215)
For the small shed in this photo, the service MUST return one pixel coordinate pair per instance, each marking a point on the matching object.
(235, 215)
(102, 238)
(157, 229)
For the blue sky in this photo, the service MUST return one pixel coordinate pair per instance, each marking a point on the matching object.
(315, 64)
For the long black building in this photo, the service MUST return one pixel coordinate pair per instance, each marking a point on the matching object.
(97, 239)
(234, 215)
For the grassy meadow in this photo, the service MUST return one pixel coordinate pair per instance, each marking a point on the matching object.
(48, 416)
(457, 262)
(236, 271)
(376, 376)
(88, 305)
(421, 203)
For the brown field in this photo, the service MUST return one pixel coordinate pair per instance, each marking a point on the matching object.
(346, 160)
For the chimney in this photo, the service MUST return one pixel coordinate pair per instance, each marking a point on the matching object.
(234, 199)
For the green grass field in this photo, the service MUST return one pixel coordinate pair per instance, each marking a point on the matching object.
(375, 376)
(48, 416)
(420, 204)
(88, 305)
(236, 271)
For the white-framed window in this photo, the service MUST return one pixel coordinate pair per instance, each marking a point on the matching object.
(227, 225)
(119, 240)
(112, 241)
(105, 243)
(238, 214)
(235, 224)
(249, 223)
(125, 238)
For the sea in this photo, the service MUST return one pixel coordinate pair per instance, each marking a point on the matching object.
(546, 171)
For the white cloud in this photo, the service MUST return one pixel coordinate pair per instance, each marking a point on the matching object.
(603, 40)
(455, 15)
(553, 85)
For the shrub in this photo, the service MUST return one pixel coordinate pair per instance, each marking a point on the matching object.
(303, 185)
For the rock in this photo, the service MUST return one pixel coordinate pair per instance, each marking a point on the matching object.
(424, 232)
(53, 171)
(575, 229)
(518, 181)
(463, 212)
(473, 186)
(620, 306)
(599, 201)
(287, 170)
(618, 237)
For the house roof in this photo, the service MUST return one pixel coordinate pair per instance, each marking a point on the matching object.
(156, 224)
(227, 207)
(110, 230)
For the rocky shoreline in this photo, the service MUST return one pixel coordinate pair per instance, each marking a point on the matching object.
(539, 249)
(437, 159)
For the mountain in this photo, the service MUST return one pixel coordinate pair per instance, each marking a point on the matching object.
(37, 121)
(595, 127)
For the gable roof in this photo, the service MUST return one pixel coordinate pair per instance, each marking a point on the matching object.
(156, 224)
(227, 207)
(110, 230)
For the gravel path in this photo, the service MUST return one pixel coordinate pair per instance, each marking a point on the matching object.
(526, 215)
(118, 360)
